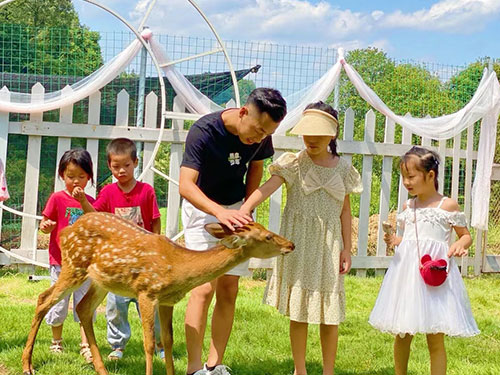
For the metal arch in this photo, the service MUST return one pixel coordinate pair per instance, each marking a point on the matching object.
(160, 80)
(226, 55)
(219, 41)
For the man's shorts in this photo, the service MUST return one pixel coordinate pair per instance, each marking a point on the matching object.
(197, 238)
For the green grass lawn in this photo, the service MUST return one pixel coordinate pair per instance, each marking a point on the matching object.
(259, 343)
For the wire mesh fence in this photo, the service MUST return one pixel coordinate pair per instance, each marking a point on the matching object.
(493, 246)
(57, 57)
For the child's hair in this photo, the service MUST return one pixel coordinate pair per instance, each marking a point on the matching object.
(328, 109)
(268, 101)
(121, 146)
(428, 161)
(77, 156)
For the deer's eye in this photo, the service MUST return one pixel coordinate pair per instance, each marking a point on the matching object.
(269, 237)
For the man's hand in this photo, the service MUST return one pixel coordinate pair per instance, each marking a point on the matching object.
(232, 218)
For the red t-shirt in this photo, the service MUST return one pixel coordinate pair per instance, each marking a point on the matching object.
(64, 210)
(139, 205)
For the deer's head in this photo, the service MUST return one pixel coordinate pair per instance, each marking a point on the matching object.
(252, 237)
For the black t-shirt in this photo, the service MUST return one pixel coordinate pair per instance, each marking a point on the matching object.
(221, 158)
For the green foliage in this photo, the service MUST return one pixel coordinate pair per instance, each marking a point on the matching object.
(259, 342)
(40, 13)
(245, 86)
(45, 37)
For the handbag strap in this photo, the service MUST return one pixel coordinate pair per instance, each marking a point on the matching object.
(416, 232)
(416, 235)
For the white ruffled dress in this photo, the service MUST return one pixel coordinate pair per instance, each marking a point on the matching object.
(405, 304)
(306, 284)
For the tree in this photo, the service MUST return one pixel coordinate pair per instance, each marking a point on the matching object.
(45, 37)
(245, 86)
(40, 13)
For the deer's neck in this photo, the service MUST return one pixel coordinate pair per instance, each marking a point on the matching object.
(204, 266)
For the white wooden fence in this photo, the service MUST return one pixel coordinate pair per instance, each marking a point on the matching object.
(35, 128)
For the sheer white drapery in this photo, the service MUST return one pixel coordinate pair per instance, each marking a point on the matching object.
(485, 105)
(28, 103)
(195, 100)
(319, 90)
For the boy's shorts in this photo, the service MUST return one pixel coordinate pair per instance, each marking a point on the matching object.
(197, 238)
(57, 314)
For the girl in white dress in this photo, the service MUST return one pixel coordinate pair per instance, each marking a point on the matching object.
(308, 284)
(406, 305)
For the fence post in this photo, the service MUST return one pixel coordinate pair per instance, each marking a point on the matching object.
(174, 198)
(349, 136)
(140, 104)
(93, 144)
(63, 143)
(403, 193)
(29, 225)
(366, 180)
(151, 111)
(385, 191)
(4, 137)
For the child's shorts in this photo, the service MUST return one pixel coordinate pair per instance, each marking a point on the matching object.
(57, 314)
(197, 238)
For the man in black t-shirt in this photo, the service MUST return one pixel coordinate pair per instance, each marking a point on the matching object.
(221, 149)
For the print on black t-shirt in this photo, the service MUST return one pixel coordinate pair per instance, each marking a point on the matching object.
(221, 158)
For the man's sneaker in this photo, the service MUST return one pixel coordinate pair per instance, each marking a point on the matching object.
(161, 353)
(218, 370)
(116, 354)
(201, 372)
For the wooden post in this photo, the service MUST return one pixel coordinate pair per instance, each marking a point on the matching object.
(63, 143)
(403, 193)
(4, 136)
(93, 144)
(385, 191)
(151, 110)
(174, 198)
(349, 136)
(366, 178)
(29, 226)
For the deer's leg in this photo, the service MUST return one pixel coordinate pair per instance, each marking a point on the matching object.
(85, 310)
(64, 285)
(147, 309)
(167, 336)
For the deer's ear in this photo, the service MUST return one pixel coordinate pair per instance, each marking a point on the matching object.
(218, 230)
(233, 242)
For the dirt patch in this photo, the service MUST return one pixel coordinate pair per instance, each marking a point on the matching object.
(372, 233)
(12, 240)
(4, 370)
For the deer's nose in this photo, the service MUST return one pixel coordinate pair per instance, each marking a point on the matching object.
(288, 249)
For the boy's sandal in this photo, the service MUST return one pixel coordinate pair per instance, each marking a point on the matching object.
(86, 353)
(115, 355)
(56, 347)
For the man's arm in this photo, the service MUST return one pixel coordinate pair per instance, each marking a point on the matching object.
(190, 191)
(254, 176)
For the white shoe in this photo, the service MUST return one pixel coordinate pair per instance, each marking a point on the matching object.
(203, 371)
(218, 370)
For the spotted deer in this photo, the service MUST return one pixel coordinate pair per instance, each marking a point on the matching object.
(125, 259)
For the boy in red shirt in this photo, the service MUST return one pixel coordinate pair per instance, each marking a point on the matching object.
(135, 201)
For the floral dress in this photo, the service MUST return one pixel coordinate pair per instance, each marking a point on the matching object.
(405, 304)
(306, 284)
